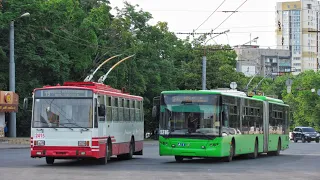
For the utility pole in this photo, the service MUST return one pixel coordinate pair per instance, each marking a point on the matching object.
(12, 86)
(317, 32)
(204, 61)
(204, 58)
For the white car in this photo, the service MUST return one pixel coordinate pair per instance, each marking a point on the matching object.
(290, 136)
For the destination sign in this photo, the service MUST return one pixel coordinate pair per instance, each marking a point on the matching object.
(182, 99)
(63, 93)
(196, 99)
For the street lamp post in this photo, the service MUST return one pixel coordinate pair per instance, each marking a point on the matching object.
(12, 83)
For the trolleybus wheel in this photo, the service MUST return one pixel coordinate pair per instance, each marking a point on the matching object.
(130, 154)
(230, 157)
(254, 155)
(109, 153)
(178, 158)
(104, 160)
(49, 160)
(277, 153)
(131, 150)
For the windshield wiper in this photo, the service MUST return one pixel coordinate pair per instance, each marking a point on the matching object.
(204, 134)
(63, 124)
(83, 128)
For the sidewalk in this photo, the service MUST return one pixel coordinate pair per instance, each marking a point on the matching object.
(14, 143)
(13, 146)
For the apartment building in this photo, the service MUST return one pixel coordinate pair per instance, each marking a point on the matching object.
(297, 23)
(253, 60)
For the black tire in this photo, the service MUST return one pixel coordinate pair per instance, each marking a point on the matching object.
(104, 160)
(109, 153)
(295, 140)
(128, 155)
(309, 141)
(277, 153)
(317, 141)
(131, 151)
(49, 160)
(178, 158)
(231, 154)
(255, 153)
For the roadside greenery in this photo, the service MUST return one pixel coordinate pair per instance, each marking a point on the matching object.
(62, 40)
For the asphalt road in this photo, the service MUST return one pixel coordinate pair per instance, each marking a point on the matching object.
(301, 161)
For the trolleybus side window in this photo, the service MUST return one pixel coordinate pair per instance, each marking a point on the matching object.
(252, 122)
(141, 111)
(131, 110)
(121, 111)
(126, 110)
(114, 102)
(137, 110)
(95, 113)
(231, 122)
(109, 109)
(277, 122)
(102, 106)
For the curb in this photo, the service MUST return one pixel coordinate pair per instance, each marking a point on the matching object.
(148, 142)
(15, 148)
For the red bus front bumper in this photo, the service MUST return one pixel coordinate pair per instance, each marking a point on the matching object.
(64, 152)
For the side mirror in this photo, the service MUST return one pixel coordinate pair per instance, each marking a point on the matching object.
(154, 111)
(102, 110)
(26, 103)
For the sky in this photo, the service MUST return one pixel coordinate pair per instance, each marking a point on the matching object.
(256, 18)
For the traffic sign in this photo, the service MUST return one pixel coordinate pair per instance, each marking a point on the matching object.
(289, 82)
(233, 85)
(288, 89)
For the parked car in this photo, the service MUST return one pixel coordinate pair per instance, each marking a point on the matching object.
(305, 134)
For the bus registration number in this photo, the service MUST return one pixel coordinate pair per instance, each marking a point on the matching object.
(164, 132)
(39, 136)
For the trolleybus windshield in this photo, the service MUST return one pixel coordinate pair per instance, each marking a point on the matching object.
(63, 108)
(189, 115)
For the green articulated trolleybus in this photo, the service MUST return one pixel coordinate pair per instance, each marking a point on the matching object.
(220, 123)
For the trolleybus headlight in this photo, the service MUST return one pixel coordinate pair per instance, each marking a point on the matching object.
(83, 143)
(39, 143)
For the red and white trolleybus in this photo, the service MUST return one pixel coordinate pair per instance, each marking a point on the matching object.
(79, 120)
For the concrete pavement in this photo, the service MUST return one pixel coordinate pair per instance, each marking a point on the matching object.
(299, 162)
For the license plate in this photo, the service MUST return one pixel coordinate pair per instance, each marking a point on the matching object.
(39, 136)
